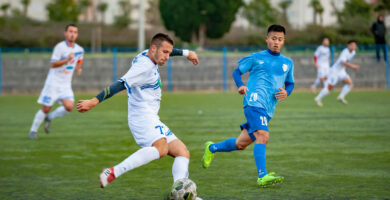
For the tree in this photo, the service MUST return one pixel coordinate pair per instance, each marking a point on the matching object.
(102, 8)
(251, 13)
(63, 11)
(25, 4)
(196, 19)
(318, 10)
(284, 5)
(355, 20)
(83, 6)
(5, 8)
(383, 6)
(123, 20)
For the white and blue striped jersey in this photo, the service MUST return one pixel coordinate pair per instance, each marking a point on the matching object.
(62, 76)
(143, 85)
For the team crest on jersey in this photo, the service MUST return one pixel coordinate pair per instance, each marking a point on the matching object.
(285, 67)
(261, 62)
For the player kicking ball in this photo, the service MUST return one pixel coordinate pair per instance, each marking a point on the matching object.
(268, 71)
(66, 58)
(143, 86)
(338, 73)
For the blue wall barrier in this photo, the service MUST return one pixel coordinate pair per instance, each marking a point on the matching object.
(224, 69)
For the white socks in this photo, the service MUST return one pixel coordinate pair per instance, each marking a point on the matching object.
(324, 92)
(59, 112)
(345, 90)
(38, 119)
(138, 158)
(180, 168)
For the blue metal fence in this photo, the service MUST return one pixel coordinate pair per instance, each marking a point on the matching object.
(224, 50)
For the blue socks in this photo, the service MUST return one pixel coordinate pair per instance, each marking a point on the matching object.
(259, 154)
(224, 146)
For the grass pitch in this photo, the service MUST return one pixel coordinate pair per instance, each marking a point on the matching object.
(335, 152)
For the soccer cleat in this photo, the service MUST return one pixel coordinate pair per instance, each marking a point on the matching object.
(47, 125)
(106, 177)
(342, 100)
(33, 135)
(319, 103)
(208, 155)
(269, 179)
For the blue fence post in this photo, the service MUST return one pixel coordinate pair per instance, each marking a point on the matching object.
(331, 55)
(169, 69)
(387, 64)
(224, 69)
(1, 74)
(114, 67)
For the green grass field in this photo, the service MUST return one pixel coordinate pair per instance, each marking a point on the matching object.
(335, 152)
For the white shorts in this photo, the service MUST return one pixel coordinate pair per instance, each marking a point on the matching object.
(147, 128)
(337, 76)
(50, 95)
(323, 70)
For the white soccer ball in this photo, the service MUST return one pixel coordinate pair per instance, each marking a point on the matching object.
(183, 189)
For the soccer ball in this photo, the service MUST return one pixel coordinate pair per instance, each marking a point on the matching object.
(183, 189)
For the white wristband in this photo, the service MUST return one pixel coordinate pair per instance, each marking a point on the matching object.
(186, 52)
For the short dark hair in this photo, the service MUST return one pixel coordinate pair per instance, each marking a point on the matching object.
(159, 38)
(351, 41)
(69, 25)
(276, 28)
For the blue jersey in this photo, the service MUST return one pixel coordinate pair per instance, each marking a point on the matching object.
(268, 72)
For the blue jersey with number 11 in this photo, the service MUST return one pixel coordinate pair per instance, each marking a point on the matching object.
(268, 72)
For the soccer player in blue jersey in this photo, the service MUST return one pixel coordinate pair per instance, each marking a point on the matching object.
(268, 71)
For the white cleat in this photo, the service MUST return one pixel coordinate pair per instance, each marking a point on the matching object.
(319, 103)
(33, 135)
(342, 100)
(106, 177)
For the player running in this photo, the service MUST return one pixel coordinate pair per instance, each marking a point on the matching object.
(67, 56)
(143, 85)
(338, 73)
(321, 60)
(268, 71)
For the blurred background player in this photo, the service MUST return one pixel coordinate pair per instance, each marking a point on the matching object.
(321, 60)
(268, 71)
(378, 29)
(67, 56)
(338, 73)
(143, 85)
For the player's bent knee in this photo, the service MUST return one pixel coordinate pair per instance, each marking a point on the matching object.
(241, 146)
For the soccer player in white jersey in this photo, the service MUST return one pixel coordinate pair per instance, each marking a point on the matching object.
(338, 73)
(321, 60)
(143, 85)
(67, 56)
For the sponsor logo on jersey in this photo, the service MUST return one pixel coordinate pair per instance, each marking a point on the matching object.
(285, 67)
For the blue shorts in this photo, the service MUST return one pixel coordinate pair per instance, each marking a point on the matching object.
(257, 119)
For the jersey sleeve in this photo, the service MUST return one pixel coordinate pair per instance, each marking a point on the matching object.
(245, 64)
(317, 52)
(56, 54)
(290, 75)
(136, 75)
(344, 56)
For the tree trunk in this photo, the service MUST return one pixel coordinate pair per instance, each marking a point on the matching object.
(202, 35)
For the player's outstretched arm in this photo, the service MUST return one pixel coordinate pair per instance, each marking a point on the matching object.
(353, 66)
(85, 105)
(191, 55)
(283, 93)
(242, 89)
